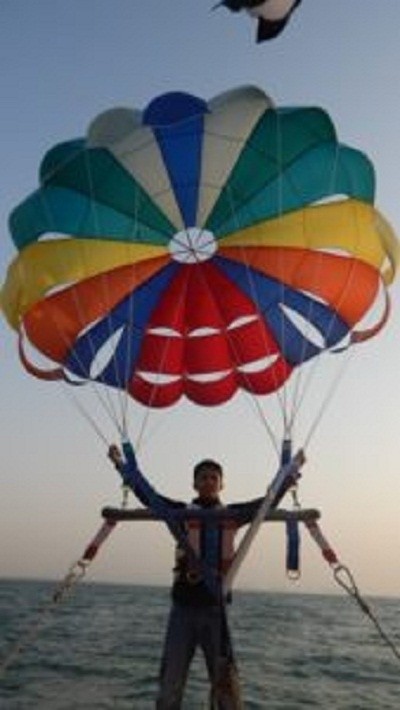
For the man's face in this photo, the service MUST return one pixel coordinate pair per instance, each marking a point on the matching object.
(208, 483)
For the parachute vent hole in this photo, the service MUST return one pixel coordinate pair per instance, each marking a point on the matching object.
(59, 288)
(307, 329)
(192, 245)
(260, 365)
(208, 376)
(203, 332)
(331, 199)
(104, 355)
(164, 332)
(158, 378)
(53, 236)
(243, 320)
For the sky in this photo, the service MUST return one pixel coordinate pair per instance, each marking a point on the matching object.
(62, 63)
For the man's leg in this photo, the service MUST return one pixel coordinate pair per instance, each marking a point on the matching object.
(179, 648)
(215, 641)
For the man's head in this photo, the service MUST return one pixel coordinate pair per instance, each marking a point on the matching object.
(208, 479)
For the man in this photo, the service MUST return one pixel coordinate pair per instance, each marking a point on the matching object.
(204, 553)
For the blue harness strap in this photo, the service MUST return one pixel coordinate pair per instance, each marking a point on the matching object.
(133, 477)
(292, 548)
(292, 525)
(207, 568)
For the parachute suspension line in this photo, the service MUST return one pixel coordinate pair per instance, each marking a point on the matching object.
(248, 391)
(105, 401)
(287, 393)
(341, 370)
(255, 401)
(130, 326)
(115, 402)
(120, 390)
(80, 311)
(256, 404)
(287, 428)
(303, 380)
(140, 435)
(103, 395)
(153, 390)
(85, 413)
(341, 367)
(343, 363)
(281, 390)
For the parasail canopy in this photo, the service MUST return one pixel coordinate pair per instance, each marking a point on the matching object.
(196, 248)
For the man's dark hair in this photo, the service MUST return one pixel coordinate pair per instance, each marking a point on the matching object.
(207, 463)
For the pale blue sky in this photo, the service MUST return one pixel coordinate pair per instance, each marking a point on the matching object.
(61, 63)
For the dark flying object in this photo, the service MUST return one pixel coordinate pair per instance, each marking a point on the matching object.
(272, 15)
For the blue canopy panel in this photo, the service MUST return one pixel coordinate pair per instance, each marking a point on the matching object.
(271, 296)
(177, 120)
(131, 316)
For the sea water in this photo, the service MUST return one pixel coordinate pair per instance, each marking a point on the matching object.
(101, 648)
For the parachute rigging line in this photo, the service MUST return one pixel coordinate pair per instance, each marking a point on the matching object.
(103, 394)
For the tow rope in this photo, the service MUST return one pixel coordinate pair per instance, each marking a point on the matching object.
(344, 578)
(74, 575)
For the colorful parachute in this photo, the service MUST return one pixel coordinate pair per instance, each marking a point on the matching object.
(196, 248)
(272, 15)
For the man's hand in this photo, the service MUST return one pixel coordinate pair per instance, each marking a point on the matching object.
(115, 455)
